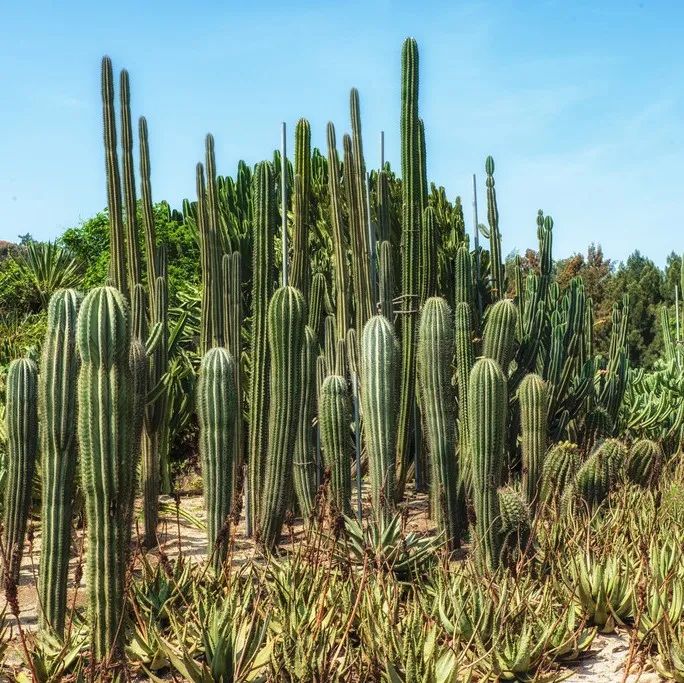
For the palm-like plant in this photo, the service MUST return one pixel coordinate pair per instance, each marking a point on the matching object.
(48, 267)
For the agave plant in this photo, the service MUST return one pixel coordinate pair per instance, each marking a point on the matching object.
(48, 267)
(51, 660)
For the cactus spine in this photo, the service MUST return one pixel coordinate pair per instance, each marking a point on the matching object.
(104, 429)
(286, 321)
(57, 402)
(22, 446)
(304, 462)
(412, 207)
(435, 349)
(487, 412)
(216, 411)
(264, 227)
(334, 418)
(533, 398)
(379, 352)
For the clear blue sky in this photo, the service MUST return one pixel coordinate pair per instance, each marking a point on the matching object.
(581, 103)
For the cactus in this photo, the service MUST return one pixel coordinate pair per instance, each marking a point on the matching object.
(499, 333)
(560, 468)
(22, 446)
(300, 208)
(645, 463)
(317, 303)
(216, 412)
(286, 321)
(464, 364)
(533, 398)
(264, 226)
(412, 209)
(154, 414)
(599, 474)
(304, 462)
(435, 348)
(117, 245)
(340, 268)
(494, 235)
(487, 413)
(516, 524)
(428, 255)
(379, 351)
(334, 418)
(386, 280)
(105, 405)
(464, 277)
(57, 403)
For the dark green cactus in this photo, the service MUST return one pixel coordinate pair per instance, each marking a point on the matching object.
(117, 242)
(22, 446)
(57, 403)
(330, 343)
(499, 334)
(645, 463)
(264, 227)
(105, 407)
(334, 418)
(533, 398)
(317, 303)
(339, 239)
(286, 322)
(379, 359)
(304, 456)
(464, 277)
(216, 412)
(488, 400)
(151, 250)
(435, 350)
(428, 255)
(301, 265)
(561, 464)
(412, 210)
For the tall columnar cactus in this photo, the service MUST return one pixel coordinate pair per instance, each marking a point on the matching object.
(104, 429)
(317, 303)
(645, 463)
(339, 238)
(464, 276)
(386, 280)
(57, 404)
(435, 350)
(412, 209)
(465, 357)
(264, 227)
(154, 413)
(304, 456)
(560, 468)
(494, 235)
(428, 255)
(533, 397)
(379, 361)
(358, 232)
(334, 418)
(487, 412)
(22, 446)
(117, 242)
(300, 208)
(130, 202)
(216, 411)
(286, 322)
(499, 334)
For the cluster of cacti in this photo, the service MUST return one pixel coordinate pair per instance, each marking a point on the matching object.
(383, 302)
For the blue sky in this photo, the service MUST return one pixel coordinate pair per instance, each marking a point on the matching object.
(580, 103)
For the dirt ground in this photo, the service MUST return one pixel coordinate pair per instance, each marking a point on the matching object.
(184, 534)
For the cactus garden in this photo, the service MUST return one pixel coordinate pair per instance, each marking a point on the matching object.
(313, 424)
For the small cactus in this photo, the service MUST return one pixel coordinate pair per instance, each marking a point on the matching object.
(645, 463)
(559, 470)
(499, 333)
(334, 418)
